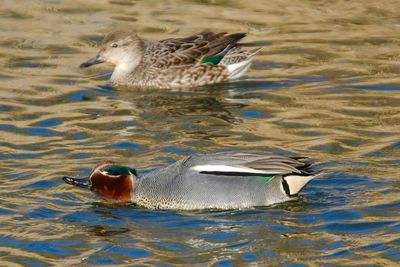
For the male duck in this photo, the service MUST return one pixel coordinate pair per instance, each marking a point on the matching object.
(204, 58)
(205, 181)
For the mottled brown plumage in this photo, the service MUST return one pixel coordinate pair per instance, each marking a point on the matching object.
(200, 59)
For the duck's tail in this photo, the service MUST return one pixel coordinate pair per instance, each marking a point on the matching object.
(237, 61)
(293, 184)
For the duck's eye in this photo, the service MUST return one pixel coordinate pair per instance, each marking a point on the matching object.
(114, 45)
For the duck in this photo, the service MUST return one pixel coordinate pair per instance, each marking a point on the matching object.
(224, 180)
(200, 59)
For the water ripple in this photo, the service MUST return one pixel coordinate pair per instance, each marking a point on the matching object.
(325, 87)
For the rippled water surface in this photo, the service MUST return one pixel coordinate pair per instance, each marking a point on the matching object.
(326, 86)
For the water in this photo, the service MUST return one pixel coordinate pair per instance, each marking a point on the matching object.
(326, 86)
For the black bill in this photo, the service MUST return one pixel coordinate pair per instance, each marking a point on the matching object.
(81, 182)
(97, 59)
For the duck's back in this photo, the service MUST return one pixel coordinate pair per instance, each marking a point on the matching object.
(183, 185)
(201, 59)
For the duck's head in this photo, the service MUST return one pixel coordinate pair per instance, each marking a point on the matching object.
(109, 180)
(121, 48)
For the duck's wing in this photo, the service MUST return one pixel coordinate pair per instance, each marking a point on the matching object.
(202, 48)
(249, 164)
(294, 173)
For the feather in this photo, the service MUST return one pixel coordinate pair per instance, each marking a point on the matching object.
(228, 163)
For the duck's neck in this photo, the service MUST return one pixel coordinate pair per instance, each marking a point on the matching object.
(122, 71)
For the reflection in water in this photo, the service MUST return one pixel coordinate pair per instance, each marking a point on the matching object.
(325, 86)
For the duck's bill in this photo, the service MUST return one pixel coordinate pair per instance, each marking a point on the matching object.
(97, 59)
(81, 182)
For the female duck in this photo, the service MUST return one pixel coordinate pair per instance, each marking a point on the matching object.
(204, 58)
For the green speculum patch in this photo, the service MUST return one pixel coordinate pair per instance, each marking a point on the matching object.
(266, 179)
(211, 60)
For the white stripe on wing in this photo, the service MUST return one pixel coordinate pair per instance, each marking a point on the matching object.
(227, 168)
